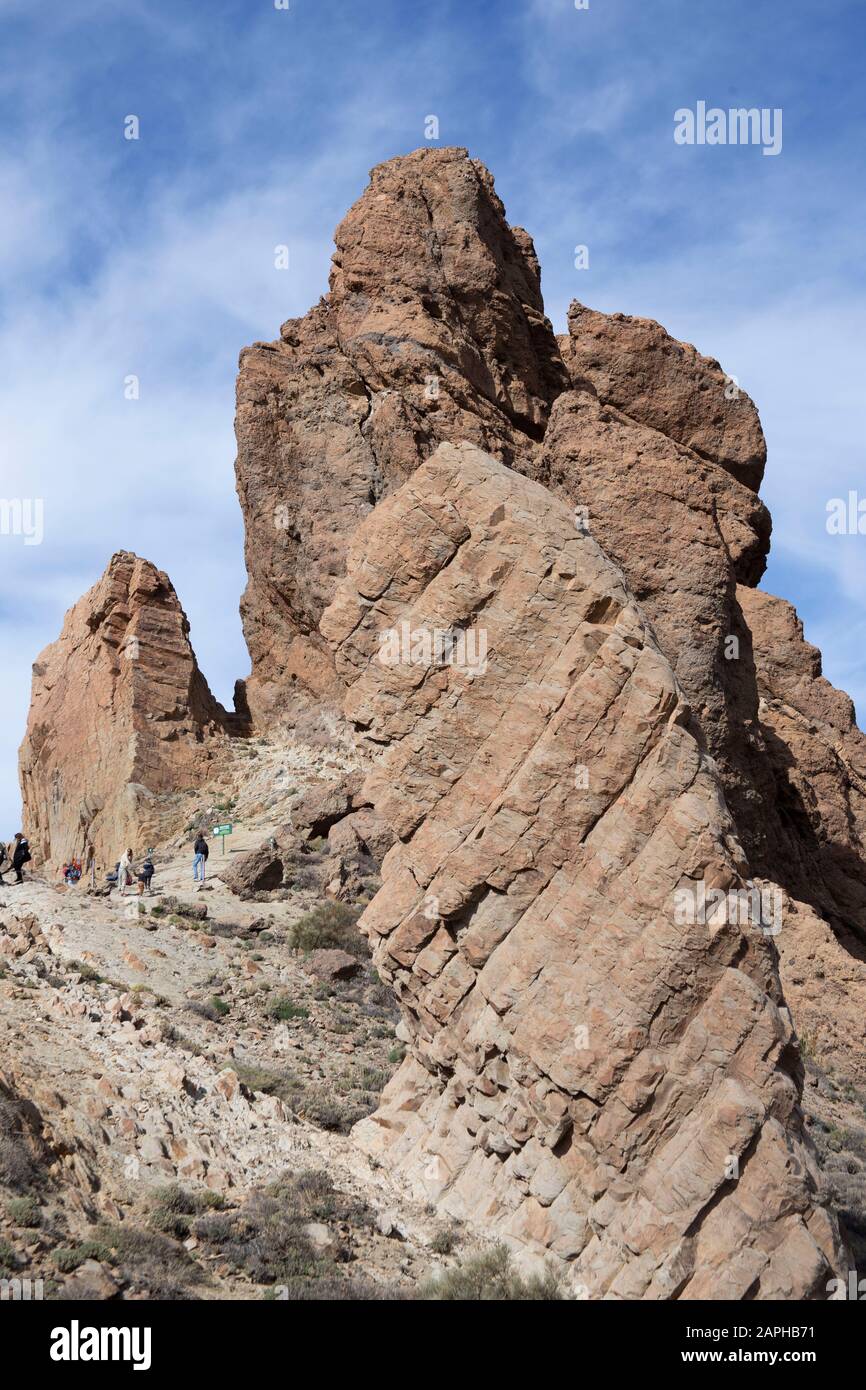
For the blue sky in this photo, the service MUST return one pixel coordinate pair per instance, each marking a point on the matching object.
(258, 127)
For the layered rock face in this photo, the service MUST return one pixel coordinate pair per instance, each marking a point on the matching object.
(121, 719)
(666, 483)
(525, 568)
(433, 330)
(591, 1074)
(662, 452)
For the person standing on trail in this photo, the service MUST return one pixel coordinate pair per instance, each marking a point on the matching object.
(20, 855)
(200, 854)
(146, 876)
(90, 864)
(124, 872)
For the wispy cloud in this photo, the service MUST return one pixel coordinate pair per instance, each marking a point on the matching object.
(156, 258)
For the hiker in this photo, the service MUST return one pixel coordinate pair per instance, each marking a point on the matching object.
(145, 877)
(200, 855)
(90, 864)
(20, 855)
(124, 871)
(4, 864)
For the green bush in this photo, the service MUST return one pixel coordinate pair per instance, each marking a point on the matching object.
(266, 1236)
(490, 1277)
(329, 926)
(25, 1211)
(69, 1258)
(150, 1260)
(87, 972)
(444, 1240)
(285, 1008)
(174, 1207)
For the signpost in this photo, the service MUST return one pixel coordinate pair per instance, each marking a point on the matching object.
(222, 831)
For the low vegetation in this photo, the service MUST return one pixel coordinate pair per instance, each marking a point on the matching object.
(331, 925)
(490, 1277)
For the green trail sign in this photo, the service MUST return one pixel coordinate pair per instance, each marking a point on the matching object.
(222, 831)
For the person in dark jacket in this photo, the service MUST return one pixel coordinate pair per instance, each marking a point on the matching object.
(200, 854)
(145, 877)
(20, 855)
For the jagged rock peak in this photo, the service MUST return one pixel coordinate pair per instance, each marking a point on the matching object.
(635, 365)
(120, 716)
(433, 330)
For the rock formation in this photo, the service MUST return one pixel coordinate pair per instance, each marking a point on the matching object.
(818, 759)
(433, 330)
(525, 568)
(635, 365)
(121, 720)
(683, 527)
(585, 1064)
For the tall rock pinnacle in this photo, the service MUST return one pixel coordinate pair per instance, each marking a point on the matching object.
(121, 719)
(433, 330)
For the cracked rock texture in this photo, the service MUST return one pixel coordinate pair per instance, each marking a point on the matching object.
(121, 720)
(433, 330)
(582, 1068)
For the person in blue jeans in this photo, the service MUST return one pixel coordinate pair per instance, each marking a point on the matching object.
(200, 855)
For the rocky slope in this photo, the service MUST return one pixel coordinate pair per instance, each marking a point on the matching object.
(502, 590)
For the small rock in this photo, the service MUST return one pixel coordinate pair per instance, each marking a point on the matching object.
(329, 965)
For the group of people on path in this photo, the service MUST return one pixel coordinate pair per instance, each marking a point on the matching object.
(127, 876)
(13, 858)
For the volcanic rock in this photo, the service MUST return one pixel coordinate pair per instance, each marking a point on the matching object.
(433, 329)
(330, 965)
(589, 1075)
(683, 529)
(121, 719)
(635, 365)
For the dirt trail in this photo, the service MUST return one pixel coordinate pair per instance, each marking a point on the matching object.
(162, 1049)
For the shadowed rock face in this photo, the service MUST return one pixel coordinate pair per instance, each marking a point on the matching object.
(818, 760)
(582, 1064)
(120, 719)
(685, 533)
(665, 457)
(433, 330)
